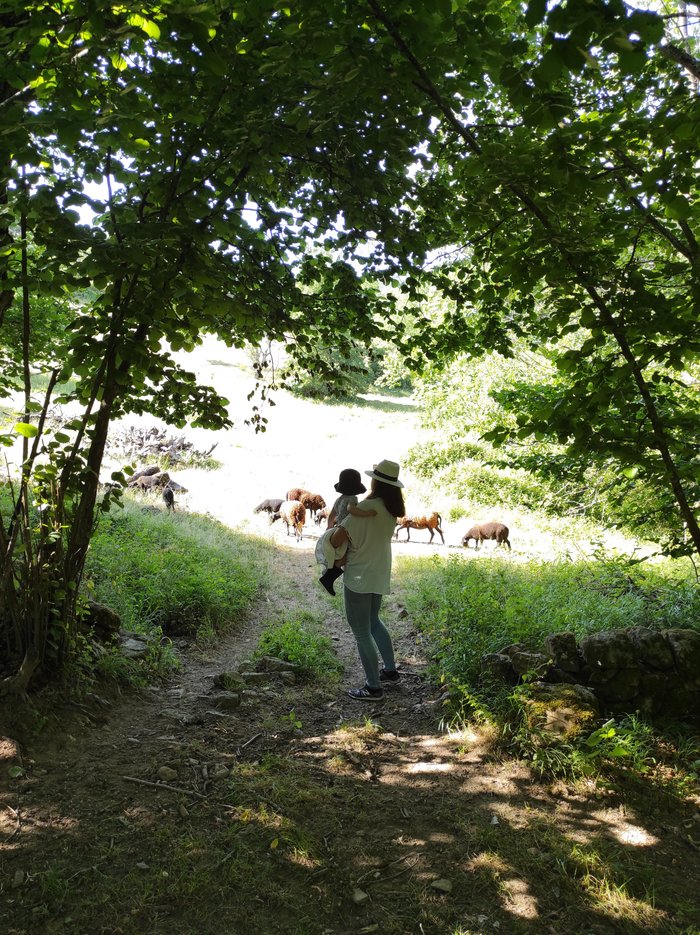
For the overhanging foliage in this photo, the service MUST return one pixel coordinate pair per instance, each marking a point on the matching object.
(251, 172)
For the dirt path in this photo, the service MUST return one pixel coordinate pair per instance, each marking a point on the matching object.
(305, 812)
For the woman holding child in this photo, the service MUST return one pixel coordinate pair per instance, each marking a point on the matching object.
(368, 575)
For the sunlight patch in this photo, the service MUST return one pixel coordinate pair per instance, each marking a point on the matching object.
(625, 831)
(518, 899)
(430, 768)
(487, 860)
(441, 838)
(466, 736)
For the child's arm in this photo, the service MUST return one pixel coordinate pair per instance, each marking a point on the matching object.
(356, 511)
(331, 519)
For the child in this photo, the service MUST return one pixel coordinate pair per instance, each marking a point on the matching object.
(348, 486)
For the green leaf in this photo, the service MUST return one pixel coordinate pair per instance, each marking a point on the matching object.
(648, 25)
(148, 26)
(619, 751)
(678, 208)
(536, 10)
(25, 429)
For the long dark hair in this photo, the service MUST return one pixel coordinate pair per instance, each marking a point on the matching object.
(391, 497)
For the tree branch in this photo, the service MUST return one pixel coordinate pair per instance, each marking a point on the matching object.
(681, 57)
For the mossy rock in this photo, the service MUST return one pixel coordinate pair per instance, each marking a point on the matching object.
(230, 681)
(558, 713)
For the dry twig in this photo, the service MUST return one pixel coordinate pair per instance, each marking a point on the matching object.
(164, 785)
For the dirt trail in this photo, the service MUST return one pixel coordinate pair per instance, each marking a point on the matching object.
(302, 812)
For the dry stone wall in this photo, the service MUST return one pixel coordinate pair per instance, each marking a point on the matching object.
(655, 672)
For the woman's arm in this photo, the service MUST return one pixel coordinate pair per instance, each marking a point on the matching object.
(340, 535)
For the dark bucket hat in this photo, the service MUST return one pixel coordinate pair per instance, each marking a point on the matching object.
(350, 482)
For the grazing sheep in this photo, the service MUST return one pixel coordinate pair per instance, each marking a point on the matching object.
(432, 523)
(169, 498)
(145, 472)
(482, 531)
(151, 481)
(321, 515)
(269, 506)
(175, 487)
(293, 512)
(312, 501)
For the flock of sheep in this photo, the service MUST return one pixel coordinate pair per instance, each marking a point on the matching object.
(298, 502)
(293, 509)
(151, 479)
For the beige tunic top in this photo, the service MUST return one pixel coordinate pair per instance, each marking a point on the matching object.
(368, 565)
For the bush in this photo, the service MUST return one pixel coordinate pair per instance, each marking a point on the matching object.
(468, 608)
(178, 573)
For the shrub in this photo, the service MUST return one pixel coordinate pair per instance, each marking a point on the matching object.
(180, 573)
(468, 608)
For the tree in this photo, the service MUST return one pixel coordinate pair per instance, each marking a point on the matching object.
(566, 154)
(223, 137)
(255, 168)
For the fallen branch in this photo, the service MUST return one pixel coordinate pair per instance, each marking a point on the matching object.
(164, 785)
(391, 863)
(254, 737)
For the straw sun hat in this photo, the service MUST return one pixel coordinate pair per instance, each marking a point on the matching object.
(387, 472)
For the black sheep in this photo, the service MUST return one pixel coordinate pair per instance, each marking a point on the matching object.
(269, 506)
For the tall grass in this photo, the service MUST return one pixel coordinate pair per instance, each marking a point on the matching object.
(177, 572)
(467, 608)
(299, 638)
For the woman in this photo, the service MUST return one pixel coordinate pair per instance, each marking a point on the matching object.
(368, 576)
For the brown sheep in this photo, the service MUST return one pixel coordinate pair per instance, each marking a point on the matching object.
(312, 501)
(321, 515)
(293, 512)
(146, 472)
(432, 523)
(482, 531)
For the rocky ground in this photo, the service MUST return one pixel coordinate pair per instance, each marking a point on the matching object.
(303, 811)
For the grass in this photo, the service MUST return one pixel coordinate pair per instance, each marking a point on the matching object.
(298, 638)
(176, 573)
(465, 609)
